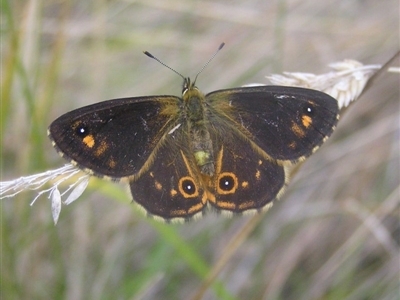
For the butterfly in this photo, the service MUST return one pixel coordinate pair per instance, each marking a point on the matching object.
(229, 150)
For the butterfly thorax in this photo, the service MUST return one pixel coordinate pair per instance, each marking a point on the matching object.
(199, 136)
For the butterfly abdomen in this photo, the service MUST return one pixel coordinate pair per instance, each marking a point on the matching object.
(202, 149)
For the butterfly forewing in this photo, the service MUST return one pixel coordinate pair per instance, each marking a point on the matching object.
(287, 123)
(114, 138)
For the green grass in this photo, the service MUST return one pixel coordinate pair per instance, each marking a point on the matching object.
(333, 235)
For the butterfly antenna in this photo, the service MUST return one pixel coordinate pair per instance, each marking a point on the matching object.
(155, 58)
(206, 64)
(212, 57)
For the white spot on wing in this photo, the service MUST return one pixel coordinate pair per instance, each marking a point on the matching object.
(145, 126)
(283, 96)
(175, 128)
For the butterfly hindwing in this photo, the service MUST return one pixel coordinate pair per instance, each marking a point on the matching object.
(244, 179)
(114, 138)
(171, 188)
(287, 123)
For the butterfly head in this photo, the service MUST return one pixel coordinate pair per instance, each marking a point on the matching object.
(189, 88)
(188, 85)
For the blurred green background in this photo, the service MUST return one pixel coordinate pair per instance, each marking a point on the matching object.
(333, 235)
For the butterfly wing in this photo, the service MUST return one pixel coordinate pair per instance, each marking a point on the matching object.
(172, 187)
(287, 123)
(257, 131)
(115, 138)
(244, 179)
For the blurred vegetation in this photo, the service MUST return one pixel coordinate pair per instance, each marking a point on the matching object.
(334, 234)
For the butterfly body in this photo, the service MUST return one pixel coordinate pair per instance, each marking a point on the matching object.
(228, 149)
(195, 119)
